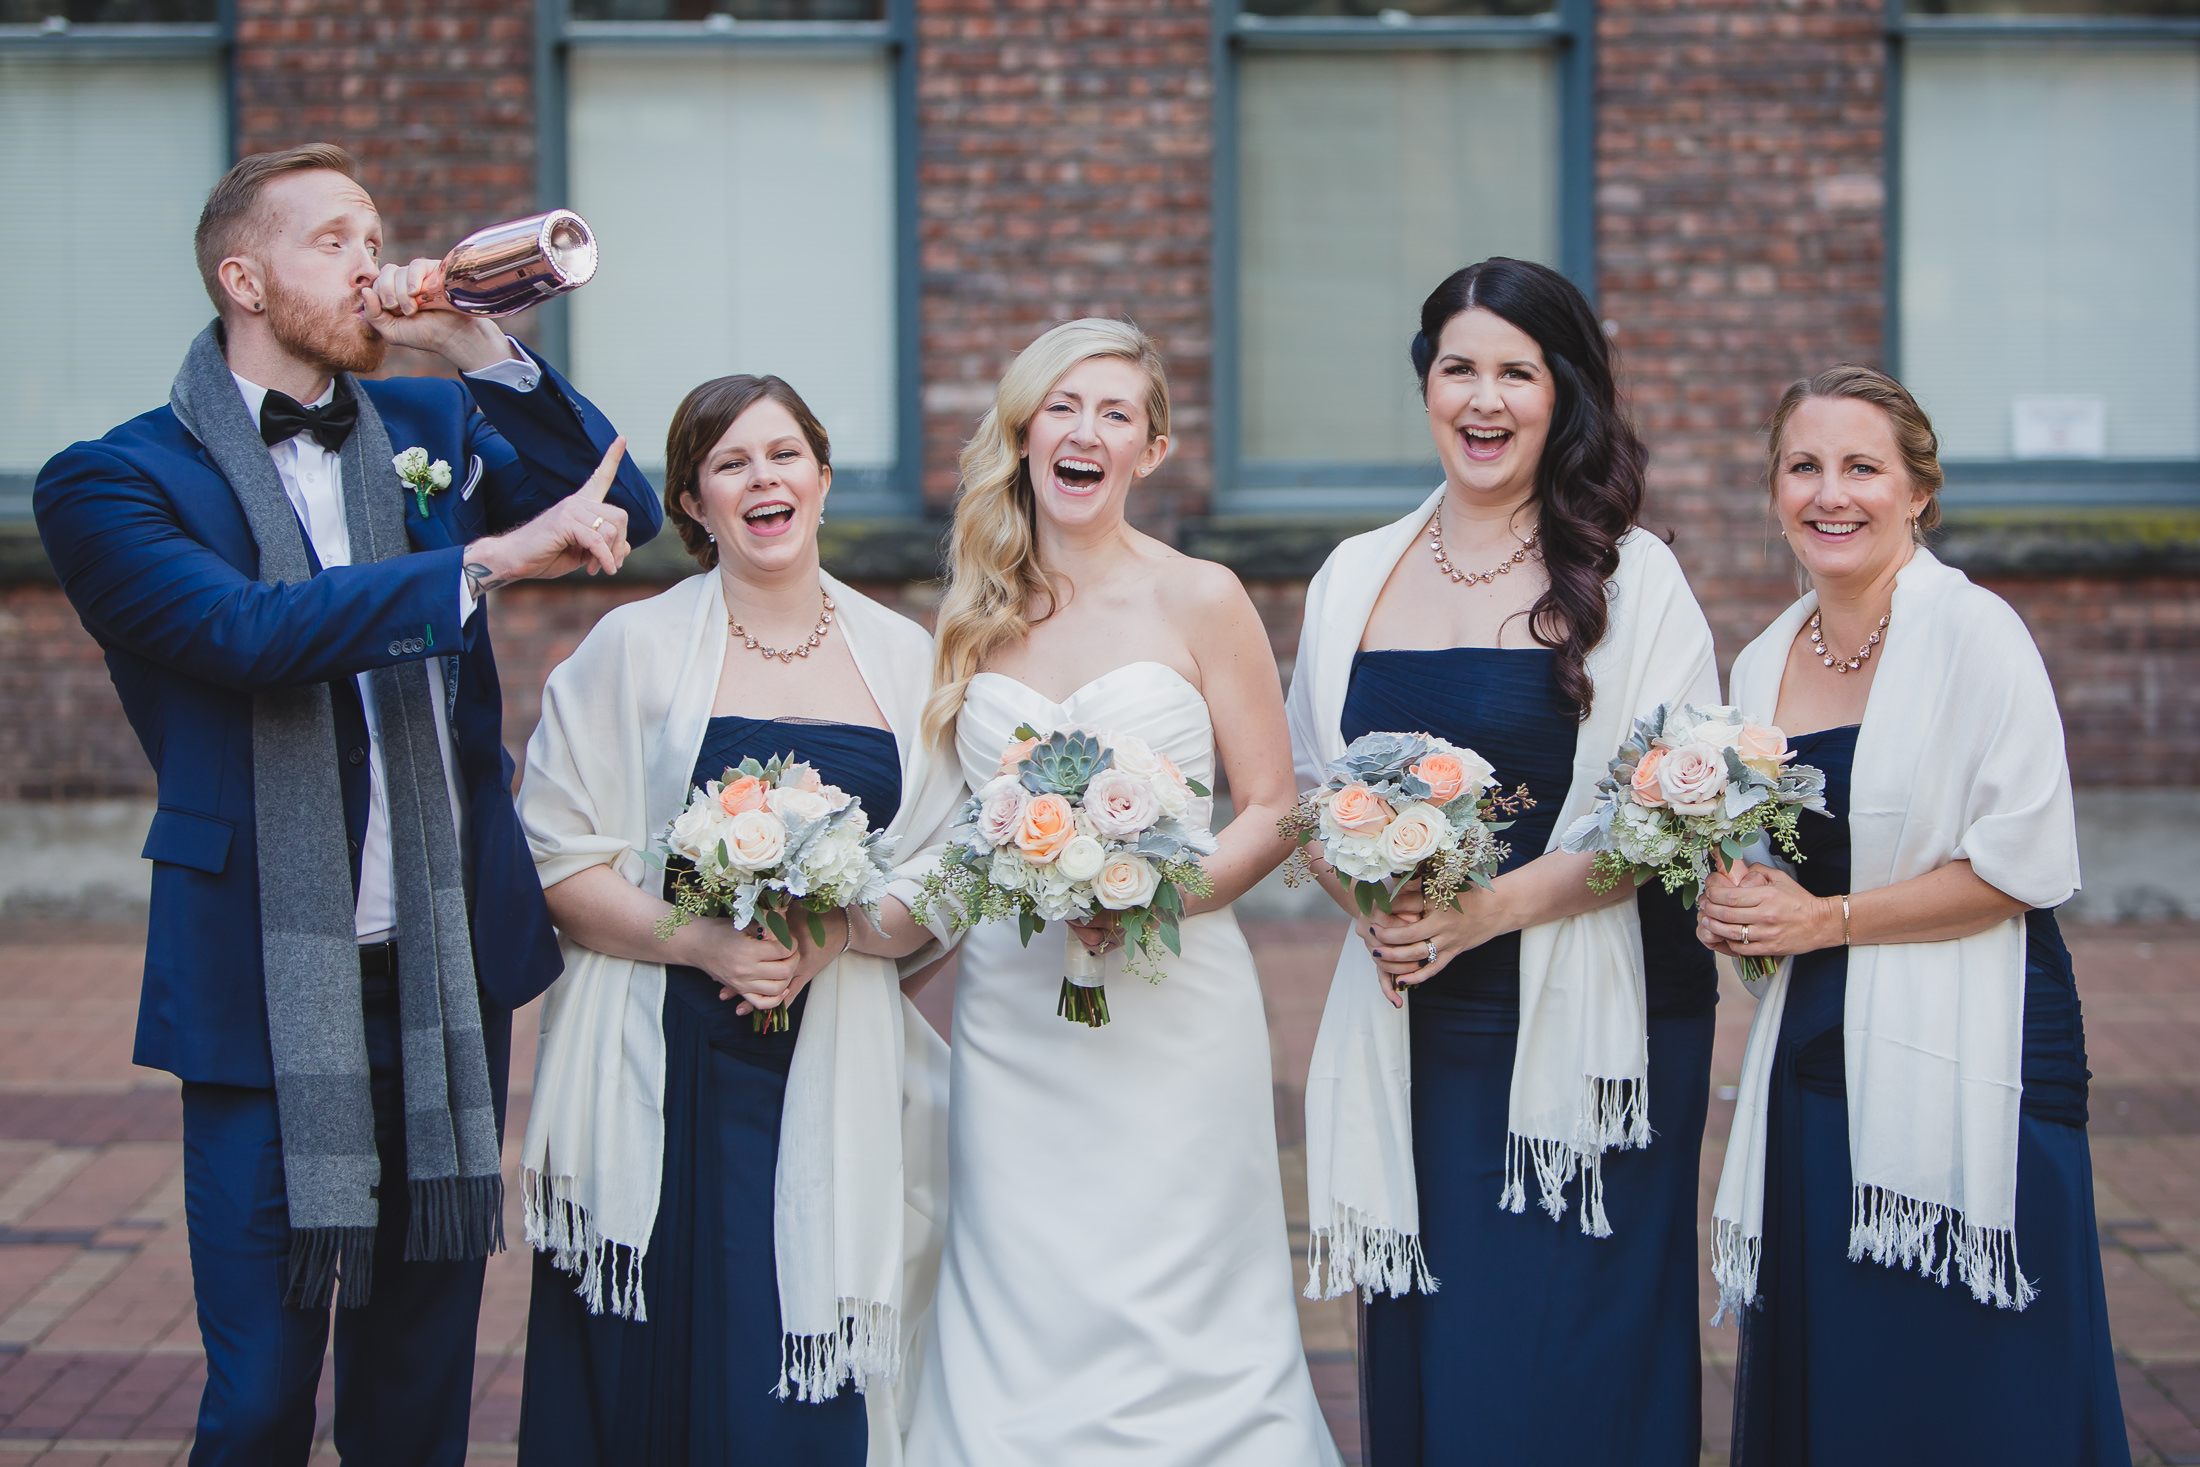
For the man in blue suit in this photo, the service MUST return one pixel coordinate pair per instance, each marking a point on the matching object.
(344, 911)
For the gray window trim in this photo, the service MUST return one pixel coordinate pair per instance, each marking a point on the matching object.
(894, 492)
(2001, 484)
(1357, 491)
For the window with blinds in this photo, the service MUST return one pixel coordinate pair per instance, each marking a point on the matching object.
(1363, 180)
(104, 164)
(744, 199)
(2050, 228)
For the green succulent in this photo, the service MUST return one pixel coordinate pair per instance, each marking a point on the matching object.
(1062, 763)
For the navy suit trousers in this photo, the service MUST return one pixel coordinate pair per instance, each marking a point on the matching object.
(404, 1363)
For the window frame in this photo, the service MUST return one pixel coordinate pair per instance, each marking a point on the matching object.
(2014, 483)
(1568, 32)
(891, 493)
(82, 44)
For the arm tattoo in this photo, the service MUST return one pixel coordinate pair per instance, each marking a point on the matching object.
(481, 580)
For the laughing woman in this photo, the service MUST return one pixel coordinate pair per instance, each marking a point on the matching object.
(1551, 1033)
(721, 1211)
(1914, 1094)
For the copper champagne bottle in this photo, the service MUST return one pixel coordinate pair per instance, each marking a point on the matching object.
(508, 267)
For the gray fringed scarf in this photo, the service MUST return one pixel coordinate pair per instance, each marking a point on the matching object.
(309, 948)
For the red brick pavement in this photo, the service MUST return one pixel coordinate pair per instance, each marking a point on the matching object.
(99, 1350)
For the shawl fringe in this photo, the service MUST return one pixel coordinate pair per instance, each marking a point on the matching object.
(1364, 1255)
(868, 1343)
(1615, 1117)
(1902, 1232)
(607, 1276)
(1734, 1261)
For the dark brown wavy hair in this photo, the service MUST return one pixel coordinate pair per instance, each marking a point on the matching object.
(701, 420)
(1589, 483)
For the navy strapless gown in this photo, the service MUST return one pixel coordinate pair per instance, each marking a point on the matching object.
(1541, 1344)
(693, 1385)
(1856, 1362)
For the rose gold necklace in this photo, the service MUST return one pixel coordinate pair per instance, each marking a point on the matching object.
(1849, 665)
(1473, 578)
(789, 654)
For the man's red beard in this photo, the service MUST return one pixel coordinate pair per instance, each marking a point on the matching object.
(332, 337)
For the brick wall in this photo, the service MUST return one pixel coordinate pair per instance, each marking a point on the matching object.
(1740, 214)
(434, 97)
(1064, 154)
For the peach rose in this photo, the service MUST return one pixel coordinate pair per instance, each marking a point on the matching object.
(1016, 753)
(1358, 810)
(1645, 782)
(1763, 749)
(742, 795)
(1444, 776)
(1048, 824)
(800, 777)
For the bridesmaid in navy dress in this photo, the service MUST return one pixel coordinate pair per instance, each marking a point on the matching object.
(689, 1378)
(1529, 1313)
(1539, 1342)
(1844, 1359)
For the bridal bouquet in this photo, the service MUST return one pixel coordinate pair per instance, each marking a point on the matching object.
(1077, 822)
(772, 843)
(1689, 786)
(1404, 805)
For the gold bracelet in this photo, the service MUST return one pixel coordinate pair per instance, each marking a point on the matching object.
(1844, 919)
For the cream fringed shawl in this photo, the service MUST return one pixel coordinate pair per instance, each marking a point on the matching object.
(1960, 758)
(607, 769)
(1581, 1068)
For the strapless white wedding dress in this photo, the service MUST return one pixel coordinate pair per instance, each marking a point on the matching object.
(1117, 1286)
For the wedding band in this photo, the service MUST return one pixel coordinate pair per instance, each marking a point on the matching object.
(1432, 949)
(1745, 934)
(598, 524)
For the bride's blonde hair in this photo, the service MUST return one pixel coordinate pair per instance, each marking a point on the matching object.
(993, 569)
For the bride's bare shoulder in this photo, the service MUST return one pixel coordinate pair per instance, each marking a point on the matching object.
(1189, 586)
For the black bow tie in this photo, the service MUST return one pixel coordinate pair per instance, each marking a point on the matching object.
(282, 418)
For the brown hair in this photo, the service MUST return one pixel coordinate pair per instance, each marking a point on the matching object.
(230, 221)
(1914, 438)
(703, 417)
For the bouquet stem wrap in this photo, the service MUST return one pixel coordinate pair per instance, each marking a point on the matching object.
(1084, 996)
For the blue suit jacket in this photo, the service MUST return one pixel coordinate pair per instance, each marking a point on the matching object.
(155, 554)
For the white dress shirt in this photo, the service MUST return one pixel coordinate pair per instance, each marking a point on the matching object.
(313, 478)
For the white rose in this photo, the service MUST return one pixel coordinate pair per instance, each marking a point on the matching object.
(755, 840)
(439, 474)
(1692, 778)
(1173, 790)
(790, 804)
(1121, 804)
(1133, 755)
(411, 462)
(694, 834)
(1081, 859)
(1126, 881)
(1417, 834)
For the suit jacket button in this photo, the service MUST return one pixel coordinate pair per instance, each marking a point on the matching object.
(355, 755)
(397, 649)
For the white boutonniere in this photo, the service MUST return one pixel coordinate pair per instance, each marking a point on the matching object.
(422, 477)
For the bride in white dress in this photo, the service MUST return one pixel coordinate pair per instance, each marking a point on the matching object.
(1117, 1286)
